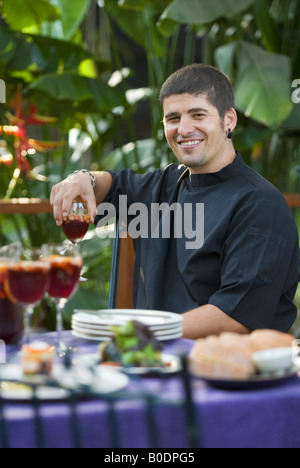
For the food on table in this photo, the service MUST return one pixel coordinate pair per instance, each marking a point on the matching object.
(133, 344)
(229, 356)
(213, 357)
(37, 358)
(265, 339)
(274, 360)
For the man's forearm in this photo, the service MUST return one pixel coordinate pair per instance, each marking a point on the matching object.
(209, 320)
(102, 186)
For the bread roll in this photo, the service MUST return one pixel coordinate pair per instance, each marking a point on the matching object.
(266, 339)
(229, 356)
(212, 357)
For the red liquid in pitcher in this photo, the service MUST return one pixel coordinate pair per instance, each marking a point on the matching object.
(64, 276)
(11, 314)
(76, 228)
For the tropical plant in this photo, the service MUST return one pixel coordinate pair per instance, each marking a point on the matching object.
(256, 42)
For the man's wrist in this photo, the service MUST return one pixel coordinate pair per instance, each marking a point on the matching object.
(85, 171)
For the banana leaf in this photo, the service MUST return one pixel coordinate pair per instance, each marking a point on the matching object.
(262, 87)
(20, 14)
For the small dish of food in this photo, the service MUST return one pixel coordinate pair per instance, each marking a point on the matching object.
(275, 360)
(134, 350)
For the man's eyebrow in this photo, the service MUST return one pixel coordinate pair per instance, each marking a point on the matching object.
(171, 114)
(194, 110)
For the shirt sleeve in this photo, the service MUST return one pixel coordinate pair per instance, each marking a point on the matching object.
(128, 187)
(136, 187)
(260, 267)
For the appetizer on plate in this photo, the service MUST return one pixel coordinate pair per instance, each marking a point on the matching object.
(37, 358)
(133, 345)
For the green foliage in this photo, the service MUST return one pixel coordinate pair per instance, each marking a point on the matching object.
(198, 12)
(30, 13)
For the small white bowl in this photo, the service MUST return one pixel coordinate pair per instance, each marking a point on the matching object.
(273, 360)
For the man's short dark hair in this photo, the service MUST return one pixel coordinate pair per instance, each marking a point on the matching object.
(200, 79)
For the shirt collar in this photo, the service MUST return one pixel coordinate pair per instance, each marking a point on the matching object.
(224, 174)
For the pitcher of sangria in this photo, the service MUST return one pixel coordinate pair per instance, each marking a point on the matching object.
(11, 313)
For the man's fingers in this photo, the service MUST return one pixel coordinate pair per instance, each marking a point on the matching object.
(91, 205)
(63, 194)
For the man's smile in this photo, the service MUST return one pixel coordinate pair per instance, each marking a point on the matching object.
(190, 143)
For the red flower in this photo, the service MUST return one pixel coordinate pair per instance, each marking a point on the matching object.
(22, 144)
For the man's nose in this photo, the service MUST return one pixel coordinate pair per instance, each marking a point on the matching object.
(186, 126)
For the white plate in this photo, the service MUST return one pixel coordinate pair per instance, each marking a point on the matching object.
(89, 329)
(256, 381)
(80, 333)
(107, 328)
(11, 389)
(172, 363)
(16, 391)
(102, 382)
(152, 318)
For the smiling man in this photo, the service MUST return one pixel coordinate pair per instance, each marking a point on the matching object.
(245, 273)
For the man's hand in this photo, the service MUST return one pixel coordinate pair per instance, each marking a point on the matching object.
(77, 185)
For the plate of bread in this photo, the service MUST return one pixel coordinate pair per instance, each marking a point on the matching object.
(232, 361)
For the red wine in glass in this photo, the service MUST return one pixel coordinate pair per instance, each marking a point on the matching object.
(76, 225)
(65, 268)
(64, 276)
(28, 283)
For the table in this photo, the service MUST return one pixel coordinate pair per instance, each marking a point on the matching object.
(260, 418)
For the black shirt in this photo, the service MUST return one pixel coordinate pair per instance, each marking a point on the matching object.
(248, 263)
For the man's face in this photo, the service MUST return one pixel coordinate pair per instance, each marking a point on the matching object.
(195, 132)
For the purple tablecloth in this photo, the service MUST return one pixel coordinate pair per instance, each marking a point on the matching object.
(262, 418)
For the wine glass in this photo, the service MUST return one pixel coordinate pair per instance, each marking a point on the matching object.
(76, 225)
(65, 267)
(28, 276)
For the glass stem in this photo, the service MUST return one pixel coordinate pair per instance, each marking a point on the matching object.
(28, 312)
(59, 324)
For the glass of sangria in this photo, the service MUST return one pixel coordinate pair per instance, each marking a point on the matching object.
(77, 223)
(28, 279)
(65, 268)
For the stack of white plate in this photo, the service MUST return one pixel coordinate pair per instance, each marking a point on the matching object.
(96, 325)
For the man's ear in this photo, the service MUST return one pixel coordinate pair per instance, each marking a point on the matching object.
(230, 119)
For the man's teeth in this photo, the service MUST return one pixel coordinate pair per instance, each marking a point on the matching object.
(190, 143)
